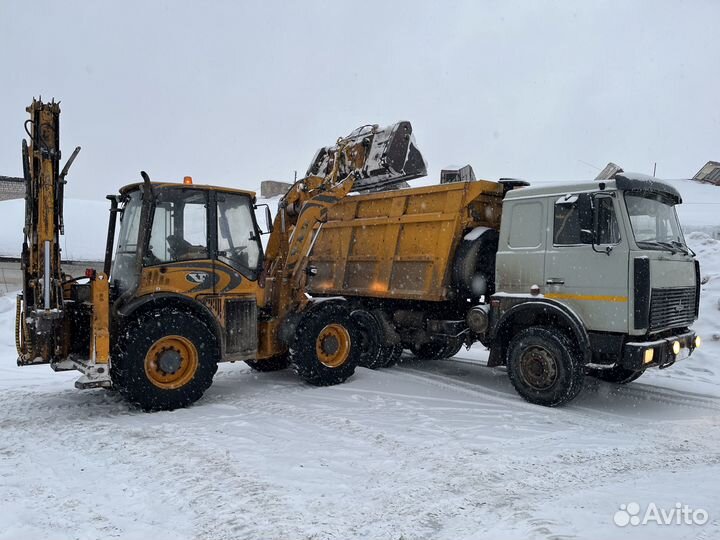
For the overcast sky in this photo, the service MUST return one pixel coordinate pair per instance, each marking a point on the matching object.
(233, 93)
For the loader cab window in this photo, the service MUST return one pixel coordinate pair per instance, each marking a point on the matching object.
(179, 227)
(238, 241)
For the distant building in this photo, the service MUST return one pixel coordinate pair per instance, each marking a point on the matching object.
(709, 174)
(11, 188)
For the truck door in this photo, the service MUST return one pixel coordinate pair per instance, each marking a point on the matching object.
(589, 278)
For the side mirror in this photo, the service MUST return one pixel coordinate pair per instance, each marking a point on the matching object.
(268, 219)
(587, 236)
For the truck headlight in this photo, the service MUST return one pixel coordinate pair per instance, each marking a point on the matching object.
(698, 342)
(648, 356)
(676, 348)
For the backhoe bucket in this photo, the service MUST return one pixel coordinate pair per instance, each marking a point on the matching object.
(379, 156)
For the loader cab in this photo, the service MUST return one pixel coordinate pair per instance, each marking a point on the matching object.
(185, 239)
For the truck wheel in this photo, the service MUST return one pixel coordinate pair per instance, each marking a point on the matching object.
(473, 269)
(617, 374)
(544, 367)
(370, 336)
(391, 355)
(164, 362)
(326, 349)
(276, 363)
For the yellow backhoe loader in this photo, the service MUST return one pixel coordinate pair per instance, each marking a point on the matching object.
(189, 285)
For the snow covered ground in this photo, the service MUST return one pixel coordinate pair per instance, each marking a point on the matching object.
(441, 450)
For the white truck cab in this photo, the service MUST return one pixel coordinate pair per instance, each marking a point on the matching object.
(590, 277)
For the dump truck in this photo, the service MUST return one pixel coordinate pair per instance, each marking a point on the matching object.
(185, 283)
(557, 281)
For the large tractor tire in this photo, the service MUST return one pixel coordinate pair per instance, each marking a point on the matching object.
(164, 361)
(545, 367)
(326, 351)
(276, 363)
(616, 374)
(473, 269)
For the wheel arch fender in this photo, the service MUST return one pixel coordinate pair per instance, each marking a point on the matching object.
(168, 301)
(538, 312)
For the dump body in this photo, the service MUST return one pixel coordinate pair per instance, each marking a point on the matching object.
(399, 244)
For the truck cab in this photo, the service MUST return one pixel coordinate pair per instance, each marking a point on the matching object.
(603, 263)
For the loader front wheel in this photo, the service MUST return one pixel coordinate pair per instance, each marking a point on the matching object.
(326, 349)
(164, 362)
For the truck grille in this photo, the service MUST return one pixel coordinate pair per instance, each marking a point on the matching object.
(672, 307)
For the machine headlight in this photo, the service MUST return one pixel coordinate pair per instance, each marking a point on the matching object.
(698, 342)
(676, 348)
(648, 356)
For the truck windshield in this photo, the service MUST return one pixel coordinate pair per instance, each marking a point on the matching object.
(654, 222)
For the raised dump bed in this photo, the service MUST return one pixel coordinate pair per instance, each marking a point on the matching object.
(400, 244)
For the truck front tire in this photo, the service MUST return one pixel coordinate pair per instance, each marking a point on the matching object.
(544, 367)
(325, 351)
(164, 361)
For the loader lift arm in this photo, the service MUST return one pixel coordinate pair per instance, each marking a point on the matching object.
(368, 158)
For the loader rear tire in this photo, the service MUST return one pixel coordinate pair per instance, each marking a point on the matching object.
(545, 367)
(276, 363)
(325, 351)
(164, 361)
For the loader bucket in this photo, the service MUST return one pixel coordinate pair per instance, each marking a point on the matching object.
(379, 156)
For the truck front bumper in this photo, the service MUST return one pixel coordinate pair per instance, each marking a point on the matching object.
(660, 353)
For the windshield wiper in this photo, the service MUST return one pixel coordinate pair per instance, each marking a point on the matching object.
(667, 246)
(685, 248)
